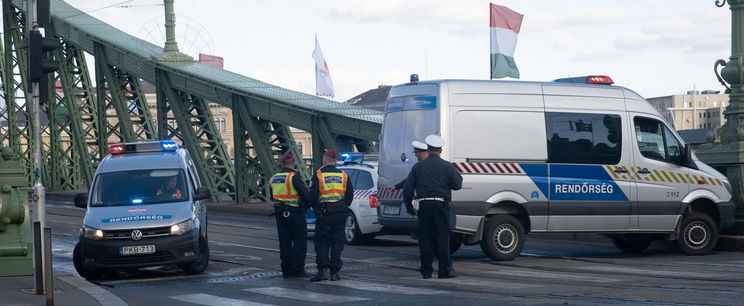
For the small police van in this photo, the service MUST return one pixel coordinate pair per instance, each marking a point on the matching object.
(145, 208)
(554, 157)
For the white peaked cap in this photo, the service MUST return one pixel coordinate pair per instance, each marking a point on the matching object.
(434, 141)
(419, 145)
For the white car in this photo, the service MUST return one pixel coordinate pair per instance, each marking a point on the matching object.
(361, 221)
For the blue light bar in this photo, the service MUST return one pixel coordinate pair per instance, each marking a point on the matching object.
(169, 145)
(136, 201)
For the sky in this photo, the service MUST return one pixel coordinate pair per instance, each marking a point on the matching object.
(654, 47)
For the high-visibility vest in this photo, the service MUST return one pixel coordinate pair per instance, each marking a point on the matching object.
(176, 195)
(332, 186)
(283, 190)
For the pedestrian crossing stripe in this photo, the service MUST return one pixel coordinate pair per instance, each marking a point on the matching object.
(395, 289)
(208, 299)
(305, 295)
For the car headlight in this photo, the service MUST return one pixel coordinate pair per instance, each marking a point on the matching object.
(92, 233)
(181, 228)
(728, 187)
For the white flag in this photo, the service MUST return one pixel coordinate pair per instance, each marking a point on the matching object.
(323, 82)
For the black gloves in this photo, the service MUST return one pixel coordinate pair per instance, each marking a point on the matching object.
(411, 210)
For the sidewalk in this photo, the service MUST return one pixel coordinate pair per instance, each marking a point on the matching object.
(68, 290)
(725, 242)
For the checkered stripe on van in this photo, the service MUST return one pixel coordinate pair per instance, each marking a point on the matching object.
(488, 168)
(662, 176)
(384, 193)
(364, 194)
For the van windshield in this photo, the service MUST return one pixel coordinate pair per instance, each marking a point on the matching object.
(139, 187)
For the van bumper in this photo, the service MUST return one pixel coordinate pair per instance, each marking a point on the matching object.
(726, 210)
(168, 250)
(403, 223)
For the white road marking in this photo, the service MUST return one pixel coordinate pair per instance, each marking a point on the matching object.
(369, 286)
(643, 271)
(467, 281)
(553, 275)
(208, 299)
(305, 295)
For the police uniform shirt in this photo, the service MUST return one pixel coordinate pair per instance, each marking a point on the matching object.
(432, 177)
(314, 188)
(299, 185)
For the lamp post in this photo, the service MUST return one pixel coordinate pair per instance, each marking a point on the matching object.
(729, 156)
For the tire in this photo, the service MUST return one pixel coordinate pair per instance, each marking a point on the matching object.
(503, 238)
(455, 242)
(352, 234)
(632, 244)
(87, 273)
(201, 263)
(697, 235)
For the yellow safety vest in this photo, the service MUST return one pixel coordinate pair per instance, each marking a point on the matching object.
(283, 190)
(332, 186)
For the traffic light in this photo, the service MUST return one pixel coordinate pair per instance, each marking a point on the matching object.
(38, 62)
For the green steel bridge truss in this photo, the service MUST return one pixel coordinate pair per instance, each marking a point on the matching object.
(82, 119)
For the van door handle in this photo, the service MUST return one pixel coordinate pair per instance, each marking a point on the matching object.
(620, 170)
(644, 171)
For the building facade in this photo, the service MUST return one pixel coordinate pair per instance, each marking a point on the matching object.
(693, 110)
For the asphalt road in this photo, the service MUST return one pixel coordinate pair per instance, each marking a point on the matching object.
(244, 270)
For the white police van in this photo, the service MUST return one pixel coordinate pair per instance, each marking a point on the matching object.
(145, 208)
(573, 155)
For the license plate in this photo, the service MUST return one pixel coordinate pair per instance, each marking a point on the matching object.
(137, 249)
(391, 210)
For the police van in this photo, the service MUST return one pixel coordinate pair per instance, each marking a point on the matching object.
(145, 208)
(572, 155)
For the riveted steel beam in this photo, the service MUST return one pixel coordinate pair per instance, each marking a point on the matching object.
(194, 125)
(18, 112)
(80, 103)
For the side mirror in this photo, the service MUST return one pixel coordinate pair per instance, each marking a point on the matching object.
(202, 193)
(81, 200)
(688, 161)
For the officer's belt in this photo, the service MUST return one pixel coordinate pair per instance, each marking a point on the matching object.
(431, 199)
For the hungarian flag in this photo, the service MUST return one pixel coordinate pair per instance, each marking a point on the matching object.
(323, 82)
(505, 25)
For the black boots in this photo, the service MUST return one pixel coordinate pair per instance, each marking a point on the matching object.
(335, 277)
(321, 275)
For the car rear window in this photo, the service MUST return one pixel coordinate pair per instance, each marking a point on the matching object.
(363, 181)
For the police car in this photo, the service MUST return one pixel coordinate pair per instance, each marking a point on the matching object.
(145, 208)
(572, 155)
(361, 221)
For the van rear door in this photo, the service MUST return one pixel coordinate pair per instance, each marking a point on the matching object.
(411, 114)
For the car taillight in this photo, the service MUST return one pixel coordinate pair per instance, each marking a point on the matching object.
(373, 201)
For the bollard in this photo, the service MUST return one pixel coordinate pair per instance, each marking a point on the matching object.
(49, 275)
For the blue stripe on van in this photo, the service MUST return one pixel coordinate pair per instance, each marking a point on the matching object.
(583, 183)
(539, 175)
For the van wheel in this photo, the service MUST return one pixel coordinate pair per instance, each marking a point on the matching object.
(455, 242)
(201, 263)
(503, 238)
(632, 244)
(698, 234)
(352, 234)
(78, 261)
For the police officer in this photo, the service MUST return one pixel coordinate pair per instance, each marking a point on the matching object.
(292, 199)
(420, 150)
(333, 194)
(433, 179)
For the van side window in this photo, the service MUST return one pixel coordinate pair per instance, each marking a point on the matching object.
(580, 138)
(656, 141)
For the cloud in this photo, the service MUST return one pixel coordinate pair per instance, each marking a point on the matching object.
(691, 32)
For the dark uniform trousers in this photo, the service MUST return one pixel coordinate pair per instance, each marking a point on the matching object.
(292, 240)
(329, 236)
(434, 234)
